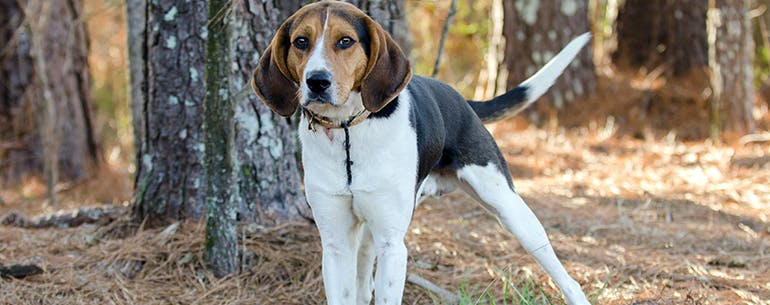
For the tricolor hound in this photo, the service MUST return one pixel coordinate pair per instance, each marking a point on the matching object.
(376, 139)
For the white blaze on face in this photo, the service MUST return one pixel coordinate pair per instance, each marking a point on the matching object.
(317, 63)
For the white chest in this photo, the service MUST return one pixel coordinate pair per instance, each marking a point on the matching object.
(383, 153)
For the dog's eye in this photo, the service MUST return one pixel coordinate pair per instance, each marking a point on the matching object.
(345, 42)
(301, 43)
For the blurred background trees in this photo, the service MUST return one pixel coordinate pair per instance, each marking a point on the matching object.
(46, 128)
(707, 42)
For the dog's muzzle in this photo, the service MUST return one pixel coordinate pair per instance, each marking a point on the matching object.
(319, 83)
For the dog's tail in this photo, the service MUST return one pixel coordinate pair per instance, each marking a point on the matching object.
(519, 98)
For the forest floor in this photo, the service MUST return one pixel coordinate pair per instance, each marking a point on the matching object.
(635, 221)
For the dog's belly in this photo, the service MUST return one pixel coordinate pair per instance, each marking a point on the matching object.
(436, 184)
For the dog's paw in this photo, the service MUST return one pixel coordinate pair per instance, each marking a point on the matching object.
(574, 295)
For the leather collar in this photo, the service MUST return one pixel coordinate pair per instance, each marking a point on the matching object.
(315, 119)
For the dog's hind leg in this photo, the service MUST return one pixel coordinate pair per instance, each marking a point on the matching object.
(365, 265)
(489, 186)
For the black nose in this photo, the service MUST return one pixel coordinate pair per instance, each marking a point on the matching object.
(319, 81)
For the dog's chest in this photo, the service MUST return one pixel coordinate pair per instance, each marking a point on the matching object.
(383, 155)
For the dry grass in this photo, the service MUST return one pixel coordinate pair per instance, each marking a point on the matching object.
(656, 221)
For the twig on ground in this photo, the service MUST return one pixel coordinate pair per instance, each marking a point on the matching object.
(469, 215)
(19, 271)
(446, 295)
(755, 137)
(64, 219)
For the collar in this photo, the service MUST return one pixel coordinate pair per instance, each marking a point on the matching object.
(315, 119)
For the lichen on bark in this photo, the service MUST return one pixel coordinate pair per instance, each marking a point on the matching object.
(221, 234)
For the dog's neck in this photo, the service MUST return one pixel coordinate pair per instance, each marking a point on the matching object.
(335, 116)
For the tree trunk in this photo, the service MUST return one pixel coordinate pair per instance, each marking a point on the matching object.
(494, 75)
(761, 33)
(136, 25)
(731, 58)
(221, 193)
(534, 32)
(651, 33)
(45, 117)
(718, 35)
(267, 145)
(167, 69)
(391, 14)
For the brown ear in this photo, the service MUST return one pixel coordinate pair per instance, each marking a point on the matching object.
(271, 79)
(388, 71)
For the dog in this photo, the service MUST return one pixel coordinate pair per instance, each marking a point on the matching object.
(375, 140)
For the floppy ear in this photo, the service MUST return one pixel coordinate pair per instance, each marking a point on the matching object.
(271, 79)
(388, 71)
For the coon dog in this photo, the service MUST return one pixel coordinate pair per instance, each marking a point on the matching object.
(376, 139)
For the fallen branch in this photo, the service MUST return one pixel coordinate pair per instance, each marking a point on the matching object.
(448, 296)
(65, 219)
(755, 137)
(19, 271)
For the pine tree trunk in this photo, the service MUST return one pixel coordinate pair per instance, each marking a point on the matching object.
(534, 32)
(168, 114)
(761, 33)
(221, 193)
(671, 33)
(136, 26)
(391, 14)
(731, 58)
(167, 76)
(45, 116)
(267, 146)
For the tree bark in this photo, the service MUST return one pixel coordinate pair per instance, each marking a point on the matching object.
(761, 33)
(168, 114)
(391, 14)
(651, 33)
(136, 26)
(221, 251)
(45, 116)
(267, 146)
(534, 32)
(731, 61)
(167, 69)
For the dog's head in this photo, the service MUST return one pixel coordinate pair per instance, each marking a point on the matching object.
(325, 52)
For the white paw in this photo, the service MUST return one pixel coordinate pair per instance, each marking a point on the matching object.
(574, 295)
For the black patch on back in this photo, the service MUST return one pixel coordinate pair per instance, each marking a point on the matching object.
(449, 134)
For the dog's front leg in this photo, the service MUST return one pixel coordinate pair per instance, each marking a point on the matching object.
(337, 226)
(366, 257)
(388, 215)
